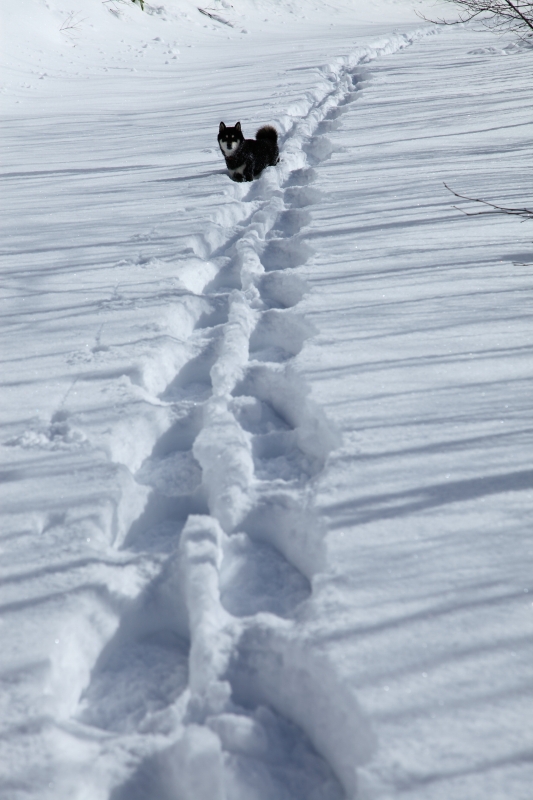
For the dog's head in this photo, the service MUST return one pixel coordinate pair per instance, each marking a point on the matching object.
(230, 139)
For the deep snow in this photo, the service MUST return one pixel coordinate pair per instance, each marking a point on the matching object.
(266, 473)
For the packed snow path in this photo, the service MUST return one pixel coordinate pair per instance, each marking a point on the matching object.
(292, 561)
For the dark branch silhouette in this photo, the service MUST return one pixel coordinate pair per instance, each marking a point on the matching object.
(500, 15)
(525, 213)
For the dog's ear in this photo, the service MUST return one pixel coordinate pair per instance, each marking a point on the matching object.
(221, 128)
(238, 127)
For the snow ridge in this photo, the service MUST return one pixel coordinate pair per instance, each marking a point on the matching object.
(208, 690)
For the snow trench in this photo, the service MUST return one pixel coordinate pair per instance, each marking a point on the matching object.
(208, 690)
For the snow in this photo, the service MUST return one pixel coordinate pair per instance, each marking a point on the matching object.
(266, 472)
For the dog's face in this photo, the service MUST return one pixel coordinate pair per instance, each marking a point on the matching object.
(230, 139)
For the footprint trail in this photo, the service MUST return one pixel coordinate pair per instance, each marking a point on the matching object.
(209, 689)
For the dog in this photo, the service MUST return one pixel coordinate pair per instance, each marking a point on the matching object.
(247, 158)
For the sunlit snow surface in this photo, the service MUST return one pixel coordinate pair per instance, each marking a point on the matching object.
(266, 473)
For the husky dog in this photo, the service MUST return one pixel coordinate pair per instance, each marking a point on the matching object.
(247, 158)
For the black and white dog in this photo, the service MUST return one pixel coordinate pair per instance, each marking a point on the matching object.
(247, 158)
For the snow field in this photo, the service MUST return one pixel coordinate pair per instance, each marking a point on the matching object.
(211, 421)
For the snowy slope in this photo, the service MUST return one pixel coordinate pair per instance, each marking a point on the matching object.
(423, 359)
(266, 473)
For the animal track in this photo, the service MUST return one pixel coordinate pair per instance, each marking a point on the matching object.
(193, 381)
(291, 222)
(319, 149)
(285, 253)
(134, 679)
(254, 577)
(279, 336)
(281, 290)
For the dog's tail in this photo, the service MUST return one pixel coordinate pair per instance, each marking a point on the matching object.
(268, 133)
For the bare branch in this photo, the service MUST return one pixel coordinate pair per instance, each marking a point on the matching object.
(525, 213)
(517, 11)
(507, 15)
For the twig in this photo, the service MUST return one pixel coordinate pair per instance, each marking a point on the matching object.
(461, 21)
(525, 213)
(215, 17)
(70, 25)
